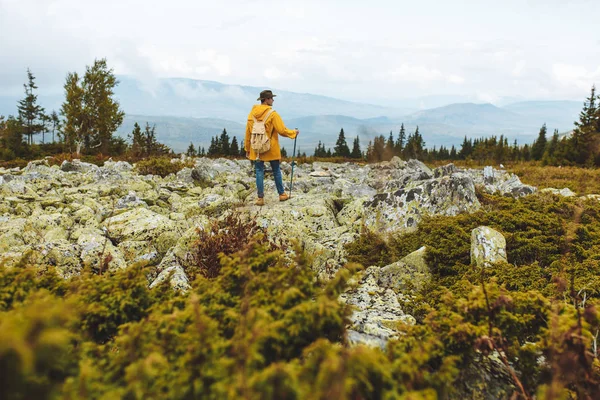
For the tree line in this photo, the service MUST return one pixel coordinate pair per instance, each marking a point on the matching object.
(85, 124)
(578, 147)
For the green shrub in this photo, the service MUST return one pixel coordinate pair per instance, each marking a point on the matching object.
(161, 166)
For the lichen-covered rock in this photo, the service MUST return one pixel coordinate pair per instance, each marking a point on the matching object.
(404, 208)
(98, 252)
(177, 277)
(406, 275)
(131, 200)
(119, 166)
(139, 252)
(565, 192)
(376, 311)
(499, 182)
(137, 224)
(488, 246)
(78, 166)
(62, 254)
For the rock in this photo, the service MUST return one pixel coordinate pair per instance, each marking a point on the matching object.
(591, 197)
(131, 200)
(376, 311)
(565, 192)
(78, 166)
(119, 166)
(138, 252)
(61, 254)
(98, 252)
(176, 276)
(445, 170)
(320, 174)
(404, 208)
(137, 224)
(487, 247)
(406, 275)
(499, 182)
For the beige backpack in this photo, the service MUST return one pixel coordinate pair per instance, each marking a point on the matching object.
(259, 141)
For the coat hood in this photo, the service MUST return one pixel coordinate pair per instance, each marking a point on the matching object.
(259, 111)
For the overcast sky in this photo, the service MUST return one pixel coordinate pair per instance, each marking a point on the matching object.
(374, 51)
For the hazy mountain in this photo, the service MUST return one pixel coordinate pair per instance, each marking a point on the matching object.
(556, 114)
(206, 99)
(185, 110)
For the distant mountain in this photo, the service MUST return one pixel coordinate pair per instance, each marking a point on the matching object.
(187, 110)
(555, 114)
(207, 99)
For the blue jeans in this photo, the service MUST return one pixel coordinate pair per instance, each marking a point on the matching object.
(260, 177)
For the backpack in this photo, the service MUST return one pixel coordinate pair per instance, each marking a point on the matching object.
(259, 141)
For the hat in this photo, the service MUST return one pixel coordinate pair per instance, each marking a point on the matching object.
(266, 94)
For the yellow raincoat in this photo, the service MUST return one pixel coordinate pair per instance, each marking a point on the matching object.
(273, 126)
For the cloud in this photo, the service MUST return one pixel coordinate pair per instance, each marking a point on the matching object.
(420, 74)
(575, 75)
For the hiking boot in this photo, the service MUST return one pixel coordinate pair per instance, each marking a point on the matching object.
(283, 197)
(260, 201)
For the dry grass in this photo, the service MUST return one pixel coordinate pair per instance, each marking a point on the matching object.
(580, 180)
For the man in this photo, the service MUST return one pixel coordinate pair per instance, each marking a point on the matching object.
(274, 127)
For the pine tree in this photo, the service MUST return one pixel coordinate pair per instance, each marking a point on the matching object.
(356, 153)
(137, 142)
(191, 151)
(212, 149)
(378, 148)
(539, 146)
(55, 123)
(389, 148)
(283, 152)
(400, 142)
(341, 147)
(103, 112)
(584, 144)
(11, 138)
(72, 110)
(31, 115)
(453, 154)
(548, 157)
(91, 113)
(466, 149)
(224, 143)
(234, 149)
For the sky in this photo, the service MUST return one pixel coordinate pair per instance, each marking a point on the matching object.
(378, 51)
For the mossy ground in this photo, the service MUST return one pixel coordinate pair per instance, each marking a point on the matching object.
(260, 327)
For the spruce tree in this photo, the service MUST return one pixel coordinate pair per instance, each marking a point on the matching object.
(356, 153)
(137, 142)
(539, 146)
(191, 151)
(341, 147)
(389, 147)
(31, 115)
(224, 143)
(548, 157)
(234, 149)
(585, 142)
(400, 142)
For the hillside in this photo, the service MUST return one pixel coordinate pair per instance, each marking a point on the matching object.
(187, 110)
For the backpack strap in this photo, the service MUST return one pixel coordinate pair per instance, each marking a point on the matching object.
(266, 118)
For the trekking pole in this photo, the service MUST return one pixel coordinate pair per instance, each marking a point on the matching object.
(293, 155)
